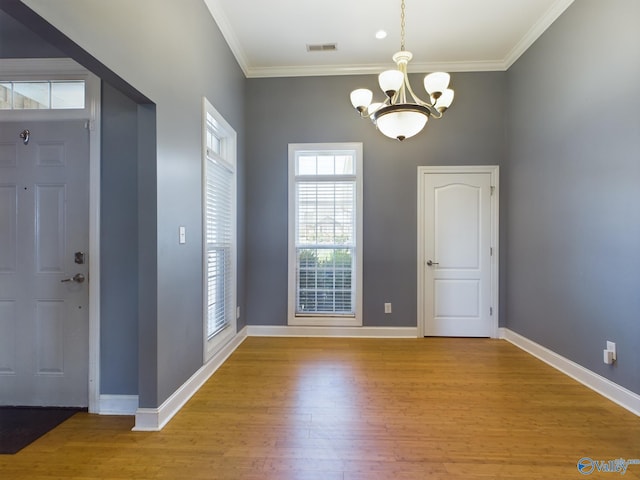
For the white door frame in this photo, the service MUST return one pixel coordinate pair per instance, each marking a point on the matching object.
(67, 69)
(494, 171)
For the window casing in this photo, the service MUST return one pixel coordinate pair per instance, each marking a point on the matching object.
(219, 230)
(325, 234)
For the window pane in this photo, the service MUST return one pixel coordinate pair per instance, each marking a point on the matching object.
(217, 301)
(324, 280)
(30, 95)
(307, 302)
(213, 143)
(306, 165)
(326, 165)
(344, 165)
(343, 301)
(67, 94)
(5, 96)
(325, 212)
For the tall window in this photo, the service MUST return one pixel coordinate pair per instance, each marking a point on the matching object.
(219, 230)
(325, 234)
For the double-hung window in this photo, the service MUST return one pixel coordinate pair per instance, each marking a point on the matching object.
(219, 212)
(325, 234)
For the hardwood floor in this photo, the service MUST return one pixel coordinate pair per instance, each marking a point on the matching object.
(355, 409)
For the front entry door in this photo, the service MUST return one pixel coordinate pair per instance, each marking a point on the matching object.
(44, 240)
(457, 254)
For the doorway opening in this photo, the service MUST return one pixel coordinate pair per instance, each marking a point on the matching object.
(67, 73)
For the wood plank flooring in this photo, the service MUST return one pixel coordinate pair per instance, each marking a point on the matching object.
(355, 409)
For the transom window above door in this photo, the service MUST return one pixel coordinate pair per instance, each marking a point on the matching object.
(42, 95)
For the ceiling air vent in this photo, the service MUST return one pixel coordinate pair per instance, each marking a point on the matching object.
(322, 47)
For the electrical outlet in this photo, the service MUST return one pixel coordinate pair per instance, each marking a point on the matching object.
(387, 308)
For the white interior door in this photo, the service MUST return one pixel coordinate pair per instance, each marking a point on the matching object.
(457, 254)
(44, 221)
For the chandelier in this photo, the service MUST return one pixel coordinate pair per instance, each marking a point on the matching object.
(397, 117)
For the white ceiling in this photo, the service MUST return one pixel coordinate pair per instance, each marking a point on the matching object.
(269, 37)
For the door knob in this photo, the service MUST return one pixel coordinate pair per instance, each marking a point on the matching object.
(25, 135)
(431, 263)
(77, 278)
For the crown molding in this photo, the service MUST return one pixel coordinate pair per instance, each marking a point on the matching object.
(373, 69)
(217, 12)
(536, 31)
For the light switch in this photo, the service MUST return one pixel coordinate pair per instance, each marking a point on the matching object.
(182, 235)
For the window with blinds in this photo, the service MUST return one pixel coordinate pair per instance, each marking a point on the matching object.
(219, 229)
(325, 234)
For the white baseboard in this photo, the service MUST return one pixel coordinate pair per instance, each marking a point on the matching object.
(347, 332)
(154, 419)
(605, 387)
(118, 404)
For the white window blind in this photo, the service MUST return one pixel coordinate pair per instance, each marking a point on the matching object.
(219, 233)
(325, 247)
(325, 233)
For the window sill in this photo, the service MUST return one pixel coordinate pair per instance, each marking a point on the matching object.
(325, 321)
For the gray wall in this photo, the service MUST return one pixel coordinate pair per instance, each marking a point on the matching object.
(119, 244)
(573, 188)
(17, 41)
(308, 110)
(173, 54)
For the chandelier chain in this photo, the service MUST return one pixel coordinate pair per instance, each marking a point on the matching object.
(402, 27)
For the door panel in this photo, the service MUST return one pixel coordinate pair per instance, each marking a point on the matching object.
(50, 230)
(8, 227)
(457, 242)
(7, 337)
(456, 298)
(49, 337)
(44, 220)
(456, 210)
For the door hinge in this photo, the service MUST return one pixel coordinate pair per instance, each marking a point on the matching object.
(492, 189)
(490, 311)
(491, 251)
(90, 125)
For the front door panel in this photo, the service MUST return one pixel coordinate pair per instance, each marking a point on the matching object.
(44, 218)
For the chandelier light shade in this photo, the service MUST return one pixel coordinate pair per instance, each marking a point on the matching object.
(398, 117)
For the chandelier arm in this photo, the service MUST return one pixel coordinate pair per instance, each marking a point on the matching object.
(367, 114)
(418, 100)
(401, 94)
